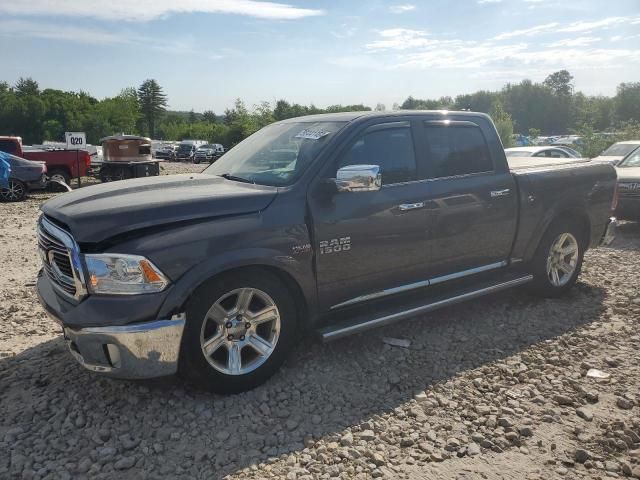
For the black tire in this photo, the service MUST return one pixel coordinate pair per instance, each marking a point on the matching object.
(543, 282)
(60, 175)
(195, 367)
(16, 192)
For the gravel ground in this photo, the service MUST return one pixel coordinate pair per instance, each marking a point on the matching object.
(496, 388)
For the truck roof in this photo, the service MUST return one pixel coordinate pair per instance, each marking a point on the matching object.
(350, 116)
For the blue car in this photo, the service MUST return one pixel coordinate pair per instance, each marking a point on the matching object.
(24, 175)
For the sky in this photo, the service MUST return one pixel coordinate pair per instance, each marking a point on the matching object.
(206, 53)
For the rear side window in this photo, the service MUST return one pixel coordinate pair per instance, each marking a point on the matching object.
(456, 150)
(557, 154)
(8, 146)
(389, 148)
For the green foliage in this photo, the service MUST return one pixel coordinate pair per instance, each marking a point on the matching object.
(443, 103)
(503, 123)
(627, 102)
(534, 133)
(550, 107)
(560, 82)
(153, 103)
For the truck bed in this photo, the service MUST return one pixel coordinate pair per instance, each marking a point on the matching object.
(577, 188)
(523, 163)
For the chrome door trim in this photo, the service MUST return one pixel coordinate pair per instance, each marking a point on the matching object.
(420, 284)
(465, 273)
(332, 333)
(404, 207)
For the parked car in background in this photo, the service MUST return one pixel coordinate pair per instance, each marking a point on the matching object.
(209, 152)
(616, 152)
(628, 169)
(168, 152)
(25, 175)
(187, 149)
(62, 165)
(546, 151)
(333, 223)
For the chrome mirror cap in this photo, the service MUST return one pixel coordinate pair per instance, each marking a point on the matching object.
(359, 178)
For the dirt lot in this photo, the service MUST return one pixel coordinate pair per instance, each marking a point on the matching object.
(497, 388)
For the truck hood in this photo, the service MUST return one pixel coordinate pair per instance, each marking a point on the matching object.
(96, 213)
(628, 173)
(614, 159)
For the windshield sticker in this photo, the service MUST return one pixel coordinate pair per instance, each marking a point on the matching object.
(312, 134)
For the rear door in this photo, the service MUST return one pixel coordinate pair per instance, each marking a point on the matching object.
(471, 200)
(367, 242)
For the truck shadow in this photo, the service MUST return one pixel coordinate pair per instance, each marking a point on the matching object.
(627, 236)
(322, 390)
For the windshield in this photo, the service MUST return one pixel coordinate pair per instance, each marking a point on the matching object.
(276, 155)
(518, 153)
(632, 160)
(619, 150)
(185, 147)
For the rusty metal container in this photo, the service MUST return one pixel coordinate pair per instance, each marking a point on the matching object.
(126, 148)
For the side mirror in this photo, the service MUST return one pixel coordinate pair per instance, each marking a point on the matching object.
(359, 178)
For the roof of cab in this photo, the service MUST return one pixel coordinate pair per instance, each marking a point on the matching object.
(350, 116)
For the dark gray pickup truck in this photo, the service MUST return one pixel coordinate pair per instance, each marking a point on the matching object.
(330, 223)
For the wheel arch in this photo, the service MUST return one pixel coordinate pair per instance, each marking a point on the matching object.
(301, 291)
(61, 168)
(574, 215)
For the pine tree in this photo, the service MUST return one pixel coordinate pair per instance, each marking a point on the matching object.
(153, 103)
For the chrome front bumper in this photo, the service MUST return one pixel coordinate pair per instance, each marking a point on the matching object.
(142, 350)
(610, 232)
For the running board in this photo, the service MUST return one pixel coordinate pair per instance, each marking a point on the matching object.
(334, 332)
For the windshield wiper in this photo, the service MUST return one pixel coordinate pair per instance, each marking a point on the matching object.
(228, 176)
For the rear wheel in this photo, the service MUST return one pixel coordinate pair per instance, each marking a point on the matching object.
(558, 260)
(240, 327)
(60, 176)
(15, 191)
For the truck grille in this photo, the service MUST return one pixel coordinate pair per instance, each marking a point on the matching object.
(60, 259)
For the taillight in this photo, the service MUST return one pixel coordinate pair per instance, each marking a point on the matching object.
(614, 201)
(87, 159)
(44, 168)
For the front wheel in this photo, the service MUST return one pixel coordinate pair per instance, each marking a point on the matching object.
(558, 260)
(240, 328)
(15, 191)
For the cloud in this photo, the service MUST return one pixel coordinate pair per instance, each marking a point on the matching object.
(575, 42)
(400, 39)
(527, 32)
(47, 31)
(482, 2)
(407, 7)
(403, 48)
(146, 10)
(575, 27)
(588, 26)
(185, 45)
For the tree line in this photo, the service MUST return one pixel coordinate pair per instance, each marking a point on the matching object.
(528, 108)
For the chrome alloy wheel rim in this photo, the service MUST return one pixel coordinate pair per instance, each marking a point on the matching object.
(58, 178)
(240, 331)
(14, 192)
(562, 260)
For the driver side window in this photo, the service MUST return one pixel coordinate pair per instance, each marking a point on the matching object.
(389, 148)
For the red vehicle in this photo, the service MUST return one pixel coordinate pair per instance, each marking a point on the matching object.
(62, 165)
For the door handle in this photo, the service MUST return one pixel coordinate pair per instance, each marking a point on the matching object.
(500, 193)
(410, 206)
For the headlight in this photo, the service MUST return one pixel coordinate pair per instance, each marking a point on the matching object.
(119, 274)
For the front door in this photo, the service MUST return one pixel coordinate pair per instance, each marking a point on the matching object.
(367, 242)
